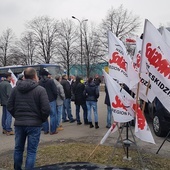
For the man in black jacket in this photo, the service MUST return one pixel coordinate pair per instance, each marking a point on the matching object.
(80, 100)
(51, 89)
(29, 105)
(67, 102)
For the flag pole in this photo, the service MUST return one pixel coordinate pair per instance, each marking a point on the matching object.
(99, 144)
(147, 89)
(93, 151)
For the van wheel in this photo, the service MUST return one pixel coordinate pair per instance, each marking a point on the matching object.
(151, 109)
(158, 126)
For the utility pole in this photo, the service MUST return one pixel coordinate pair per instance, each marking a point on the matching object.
(81, 41)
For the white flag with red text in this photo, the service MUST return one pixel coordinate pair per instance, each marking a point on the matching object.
(145, 91)
(124, 105)
(121, 102)
(155, 59)
(142, 130)
(13, 78)
(137, 55)
(120, 64)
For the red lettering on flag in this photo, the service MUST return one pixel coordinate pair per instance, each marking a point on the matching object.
(130, 40)
(118, 103)
(119, 60)
(155, 59)
(140, 117)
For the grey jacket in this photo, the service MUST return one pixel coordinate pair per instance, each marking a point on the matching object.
(61, 94)
(5, 90)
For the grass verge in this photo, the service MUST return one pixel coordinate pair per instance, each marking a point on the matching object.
(52, 153)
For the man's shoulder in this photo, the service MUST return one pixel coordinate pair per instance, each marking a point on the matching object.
(64, 82)
(4, 84)
(40, 88)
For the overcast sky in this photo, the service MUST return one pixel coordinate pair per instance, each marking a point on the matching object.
(15, 13)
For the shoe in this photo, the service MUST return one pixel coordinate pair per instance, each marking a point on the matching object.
(96, 125)
(108, 127)
(86, 123)
(4, 131)
(45, 133)
(73, 120)
(79, 123)
(60, 128)
(10, 133)
(65, 121)
(91, 124)
(53, 133)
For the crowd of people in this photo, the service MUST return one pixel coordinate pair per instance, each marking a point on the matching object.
(33, 100)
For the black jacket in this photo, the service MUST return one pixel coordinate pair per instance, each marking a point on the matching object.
(50, 87)
(28, 104)
(67, 88)
(91, 92)
(78, 91)
(107, 99)
(97, 81)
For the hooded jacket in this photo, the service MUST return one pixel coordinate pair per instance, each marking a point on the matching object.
(28, 103)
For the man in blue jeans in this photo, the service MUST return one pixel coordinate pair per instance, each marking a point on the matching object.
(5, 90)
(29, 105)
(51, 90)
(67, 102)
(59, 101)
(109, 110)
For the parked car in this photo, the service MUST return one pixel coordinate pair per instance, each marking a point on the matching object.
(160, 117)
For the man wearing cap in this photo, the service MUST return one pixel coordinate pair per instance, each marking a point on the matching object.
(51, 89)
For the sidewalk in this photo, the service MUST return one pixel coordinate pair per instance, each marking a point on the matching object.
(72, 131)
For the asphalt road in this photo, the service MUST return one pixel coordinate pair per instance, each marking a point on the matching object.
(72, 131)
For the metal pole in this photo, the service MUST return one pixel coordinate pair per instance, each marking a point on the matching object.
(81, 42)
(81, 50)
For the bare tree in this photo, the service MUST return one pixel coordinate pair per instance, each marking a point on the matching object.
(121, 22)
(6, 45)
(26, 48)
(92, 48)
(45, 33)
(67, 45)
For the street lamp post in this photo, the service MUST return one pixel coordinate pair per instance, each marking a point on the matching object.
(81, 39)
